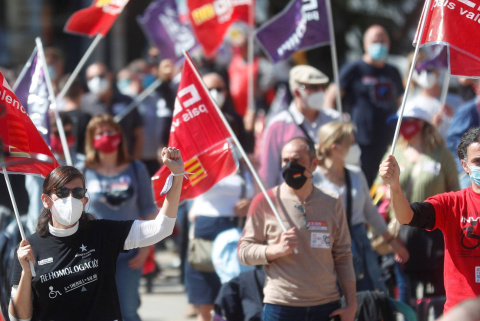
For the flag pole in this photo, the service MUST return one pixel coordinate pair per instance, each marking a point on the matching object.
(24, 70)
(141, 97)
(15, 210)
(446, 83)
(333, 50)
(80, 65)
(237, 143)
(251, 22)
(409, 80)
(53, 103)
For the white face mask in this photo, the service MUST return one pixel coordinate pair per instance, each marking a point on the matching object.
(98, 85)
(425, 79)
(315, 100)
(218, 96)
(353, 155)
(67, 211)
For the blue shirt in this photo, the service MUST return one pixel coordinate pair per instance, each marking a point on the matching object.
(371, 95)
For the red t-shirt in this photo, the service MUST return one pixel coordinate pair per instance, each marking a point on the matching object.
(457, 214)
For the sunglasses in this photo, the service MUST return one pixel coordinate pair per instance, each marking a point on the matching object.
(301, 208)
(77, 192)
(311, 87)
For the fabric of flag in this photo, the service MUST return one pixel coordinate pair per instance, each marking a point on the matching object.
(211, 19)
(198, 131)
(160, 23)
(96, 19)
(23, 146)
(455, 24)
(32, 93)
(437, 58)
(300, 26)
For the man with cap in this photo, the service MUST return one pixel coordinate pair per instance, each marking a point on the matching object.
(372, 90)
(304, 117)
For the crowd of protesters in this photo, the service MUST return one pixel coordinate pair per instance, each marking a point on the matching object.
(334, 196)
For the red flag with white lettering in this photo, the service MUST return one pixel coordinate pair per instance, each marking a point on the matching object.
(96, 19)
(454, 23)
(200, 134)
(23, 146)
(211, 19)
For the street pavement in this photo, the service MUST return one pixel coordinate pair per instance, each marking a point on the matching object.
(167, 300)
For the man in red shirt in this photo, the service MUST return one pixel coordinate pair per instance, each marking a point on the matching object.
(456, 214)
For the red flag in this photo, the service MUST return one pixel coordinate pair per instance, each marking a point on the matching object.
(200, 134)
(454, 23)
(210, 20)
(22, 143)
(96, 19)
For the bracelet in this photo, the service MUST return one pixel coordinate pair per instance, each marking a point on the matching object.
(181, 174)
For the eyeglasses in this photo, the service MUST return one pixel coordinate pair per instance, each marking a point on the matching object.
(77, 192)
(301, 208)
(217, 88)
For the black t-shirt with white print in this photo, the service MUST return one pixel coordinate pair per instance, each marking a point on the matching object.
(75, 275)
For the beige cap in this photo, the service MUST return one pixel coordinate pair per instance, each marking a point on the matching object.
(305, 74)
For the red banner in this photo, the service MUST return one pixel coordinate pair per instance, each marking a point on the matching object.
(211, 19)
(200, 134)
(96, 19)
(23, 145)
(455, 23)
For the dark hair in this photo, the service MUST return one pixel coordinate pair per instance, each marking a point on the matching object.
(311, 147)
(55, 179)
(471, 136)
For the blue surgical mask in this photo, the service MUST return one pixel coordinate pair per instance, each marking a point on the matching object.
(51, 72)
(475, 174)
(378, 51)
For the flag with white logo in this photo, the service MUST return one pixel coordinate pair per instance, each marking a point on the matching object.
(455, 23)
(32, 93)
(211, 19)
(302, 25)
(160, 23)
(200, 134)
(23, 146)
(96, 19)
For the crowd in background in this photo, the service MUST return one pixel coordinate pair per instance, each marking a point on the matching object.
(119, 157)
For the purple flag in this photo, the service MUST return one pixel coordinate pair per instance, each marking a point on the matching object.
(32, 93)
(437, 58)
(162, 26)
(303, 24)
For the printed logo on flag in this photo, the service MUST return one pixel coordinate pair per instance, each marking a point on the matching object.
(18, 139)
(113, 7)
(302, 25)
(194, 166)
(453, 23)
(222, 9)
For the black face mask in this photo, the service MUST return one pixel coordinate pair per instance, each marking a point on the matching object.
(293, 175)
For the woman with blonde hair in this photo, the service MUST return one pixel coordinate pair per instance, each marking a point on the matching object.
(120, 189)
(337, 149)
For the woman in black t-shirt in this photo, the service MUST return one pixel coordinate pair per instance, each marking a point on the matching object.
(74, 258)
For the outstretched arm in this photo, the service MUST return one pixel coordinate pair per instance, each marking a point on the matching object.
(145, 233)
(390, 173)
